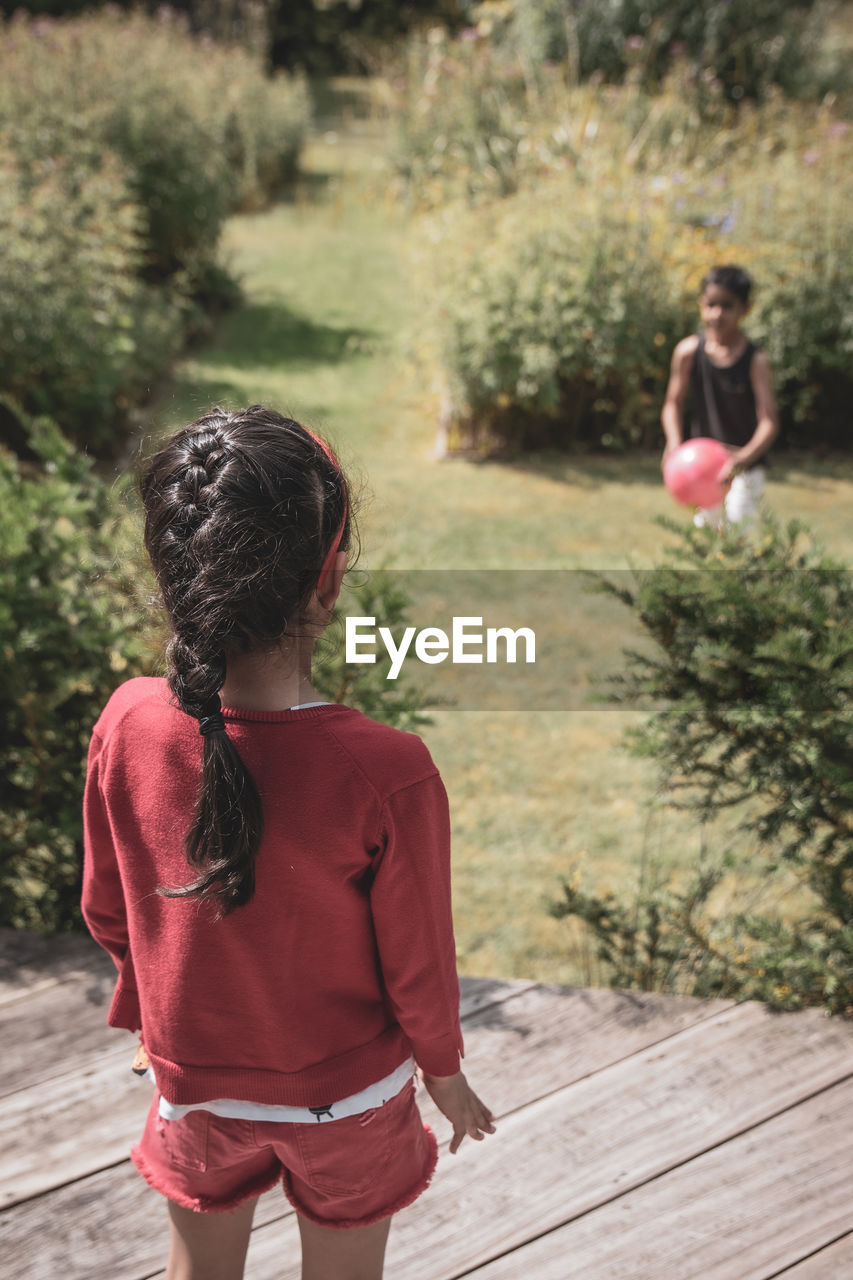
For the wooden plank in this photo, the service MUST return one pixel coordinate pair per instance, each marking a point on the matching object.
(500, 1167)
(65, 1128)
(520, 1047)
(62, 1056)
(61, 1027)
(89, 1114)
(30, 962)
(78, 1222)
(749, 1208)
(584, 1145)
(35, 1249)
(57, 1029)
(448, 1200)
(547, 1037)
(476, 994)
(831, 1263)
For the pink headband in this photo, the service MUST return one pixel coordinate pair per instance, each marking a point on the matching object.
(336, 542)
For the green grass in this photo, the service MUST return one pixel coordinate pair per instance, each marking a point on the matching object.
(331, 334)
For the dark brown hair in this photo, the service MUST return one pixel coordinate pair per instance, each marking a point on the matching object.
(735, 279)
(241, 510)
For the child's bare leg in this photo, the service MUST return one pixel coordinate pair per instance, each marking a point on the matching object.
(209, 1246)
(337, 1253)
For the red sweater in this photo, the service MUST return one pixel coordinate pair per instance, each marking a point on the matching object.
(343, 962)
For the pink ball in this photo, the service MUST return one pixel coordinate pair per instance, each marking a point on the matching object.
(691, 472)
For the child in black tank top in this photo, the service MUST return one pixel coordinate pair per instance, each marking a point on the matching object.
(729, 383)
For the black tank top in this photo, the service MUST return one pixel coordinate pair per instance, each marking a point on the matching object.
(722, 399)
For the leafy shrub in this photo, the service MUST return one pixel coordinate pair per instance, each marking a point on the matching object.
(325, 37)
(744, 48)
(199, 128)
(556, 308)
(749, 680)
(462, 122)
(70, 629)
(124, 143)
(509, 98)
(557, 335)
(80, 329)
(805, 322)
(263, 129)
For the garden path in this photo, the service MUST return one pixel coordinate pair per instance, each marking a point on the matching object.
(640, 1136)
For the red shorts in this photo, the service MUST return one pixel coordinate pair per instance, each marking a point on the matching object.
(341, 1173)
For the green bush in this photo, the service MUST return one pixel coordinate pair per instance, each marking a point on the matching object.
(517, 96)
(264, 125)
(556, 308)
(70, 629)
(124, 144)
(462, 121)
(199, 128)
(744, 48)
(804, 320)
(558, 336)
(749, 681)
(81, 331)
(108, 83)
(568, 228)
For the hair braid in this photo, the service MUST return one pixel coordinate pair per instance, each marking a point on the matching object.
(242, 511)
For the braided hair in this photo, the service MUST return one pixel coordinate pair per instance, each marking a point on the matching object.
(243, 511)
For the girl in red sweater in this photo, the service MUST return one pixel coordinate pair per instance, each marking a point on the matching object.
(271, 875)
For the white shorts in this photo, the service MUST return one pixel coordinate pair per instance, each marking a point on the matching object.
(740, 505)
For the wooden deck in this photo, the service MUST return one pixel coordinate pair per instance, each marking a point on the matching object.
(639, 1136)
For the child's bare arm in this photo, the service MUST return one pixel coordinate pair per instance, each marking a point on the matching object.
(456, 1100)
(766, 409)
(672, 415)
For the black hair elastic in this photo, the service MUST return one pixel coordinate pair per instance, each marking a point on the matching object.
(211, 719)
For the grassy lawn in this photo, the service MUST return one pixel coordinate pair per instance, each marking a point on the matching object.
(330, 333)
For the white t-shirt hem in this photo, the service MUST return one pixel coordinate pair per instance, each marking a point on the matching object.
(375, 1095)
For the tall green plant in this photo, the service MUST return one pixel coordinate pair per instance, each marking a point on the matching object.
(750, 683)
(82, 333)
(746, 48)
(556, 308)
(125, 142)
(70, 629)
(200, 129)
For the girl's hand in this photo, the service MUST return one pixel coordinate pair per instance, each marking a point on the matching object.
(456, 1100)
